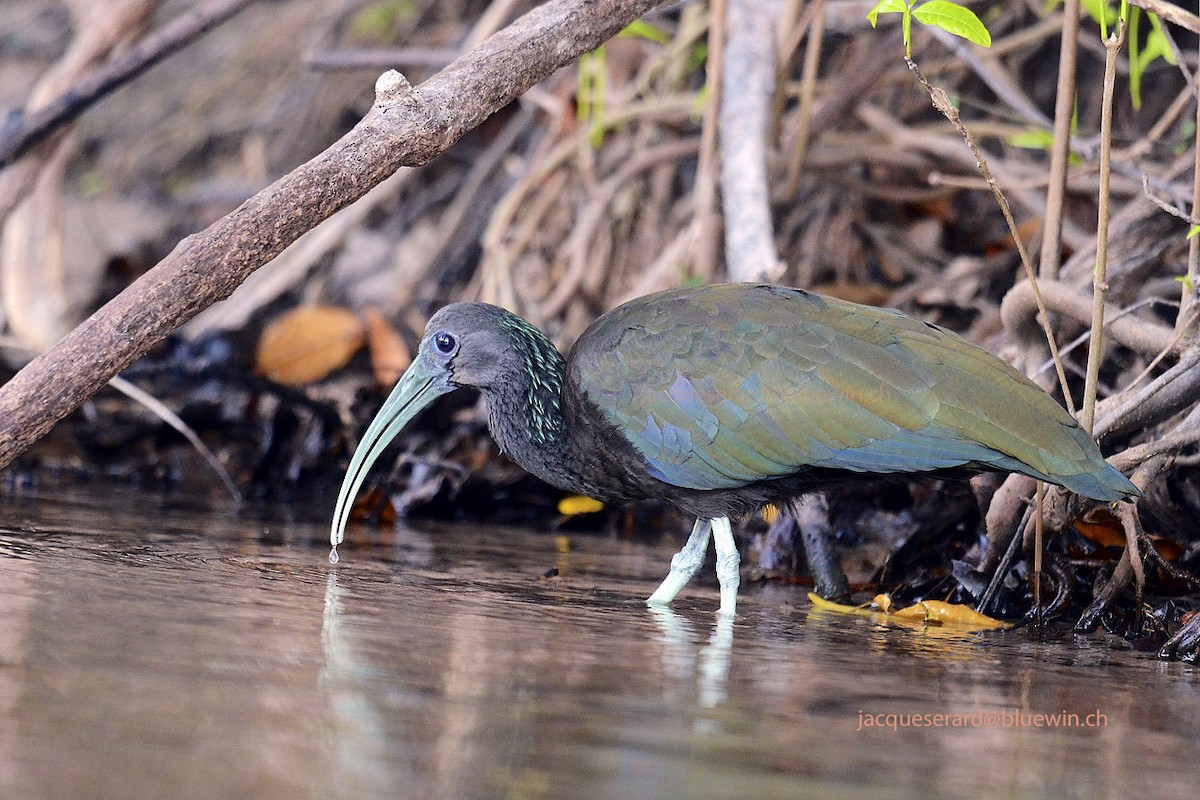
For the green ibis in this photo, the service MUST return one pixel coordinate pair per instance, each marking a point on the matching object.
(721, 399)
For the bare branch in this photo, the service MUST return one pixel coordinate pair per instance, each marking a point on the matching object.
(405, 127)
(748, 81)
(1019, 311)
(1170, 12)
(1060, 151)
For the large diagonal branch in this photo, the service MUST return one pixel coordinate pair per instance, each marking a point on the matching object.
(405, 127)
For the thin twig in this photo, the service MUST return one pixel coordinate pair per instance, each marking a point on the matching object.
(1039, 544)
(942, 103)
(808, 90)
(1186, 321)
(1170, 12)
(1187, 301)
(706, 217)
(1112, 46)
(18, 137)
(158, 409)
(1005, 564)
(1163, 205)
(138, 395)
(1060, 149)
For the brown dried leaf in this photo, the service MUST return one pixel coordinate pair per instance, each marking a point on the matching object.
(308, 343)
(389, 354)
(1101, 527)
(1169, 549)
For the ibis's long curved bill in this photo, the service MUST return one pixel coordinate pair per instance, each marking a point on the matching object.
(418, 387)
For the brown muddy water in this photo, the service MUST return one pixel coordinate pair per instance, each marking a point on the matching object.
(147, 652)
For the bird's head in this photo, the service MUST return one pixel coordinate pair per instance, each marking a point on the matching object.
(465, 344)
(471, 344)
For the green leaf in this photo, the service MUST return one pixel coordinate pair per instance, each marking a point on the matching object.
(1195, 229)
(380, 21)
(1155, 46)
(953, 18)
(1158, 40)
(1032, 140)
(591, 94)
(640, 29)
(1136, 64)
(1100, 11)
(886, 7)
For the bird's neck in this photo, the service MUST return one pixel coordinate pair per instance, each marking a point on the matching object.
(543, 422)
(525, 413)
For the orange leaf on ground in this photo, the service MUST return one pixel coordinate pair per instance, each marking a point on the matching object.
(1169, 549)
(390, 356)
(1101, 527)
(308, 343)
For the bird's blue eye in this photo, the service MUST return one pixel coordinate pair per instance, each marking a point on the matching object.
(445, 343)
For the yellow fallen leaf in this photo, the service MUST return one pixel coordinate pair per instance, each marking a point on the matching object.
(839, 608)
(934, 612)
(578, 504)
(308, 343)
(955, 614)
(938, 612)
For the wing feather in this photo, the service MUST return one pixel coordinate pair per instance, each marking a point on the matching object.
(728, 385)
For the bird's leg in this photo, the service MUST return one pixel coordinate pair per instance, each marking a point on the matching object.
(684, 564)
(812, 517)
(727, 565)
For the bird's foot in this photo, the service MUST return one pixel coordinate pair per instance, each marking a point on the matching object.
(729, 578)
(671, 586)
(684, 565)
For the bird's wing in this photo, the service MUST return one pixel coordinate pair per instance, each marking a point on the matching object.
(729, 385)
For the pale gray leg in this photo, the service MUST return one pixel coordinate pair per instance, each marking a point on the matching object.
(727, 565)
(684, 564)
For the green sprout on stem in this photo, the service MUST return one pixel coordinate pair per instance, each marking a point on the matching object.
(591, 96)
(1143, 50)
(592, 76)
(950, 17)
(640, 29)
(1141, 54)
